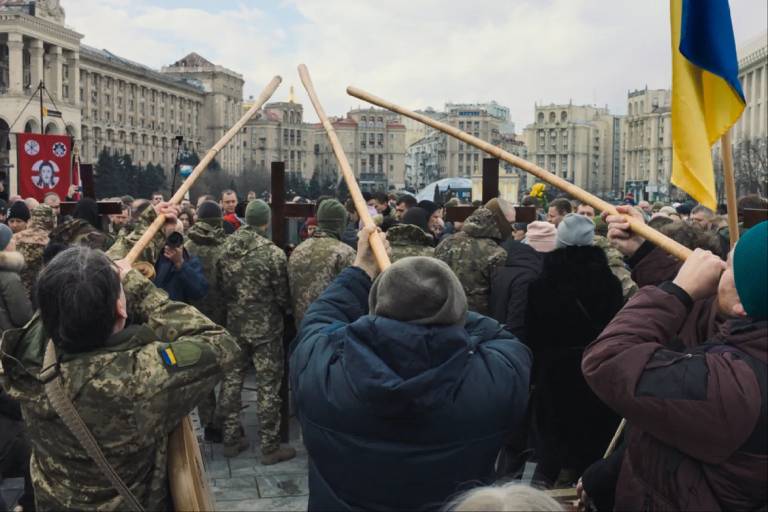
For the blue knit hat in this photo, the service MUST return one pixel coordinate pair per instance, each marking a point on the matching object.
(750, 271)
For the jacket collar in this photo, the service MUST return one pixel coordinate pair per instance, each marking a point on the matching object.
(11, 261)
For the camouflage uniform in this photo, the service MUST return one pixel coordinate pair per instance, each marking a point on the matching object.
(312, 266)
(126, 393)
(204, 240)
(127, 239)
(80, 232)
(473, 253)
(618, 267)
(32, 241)
(254, 280)
(409, 240)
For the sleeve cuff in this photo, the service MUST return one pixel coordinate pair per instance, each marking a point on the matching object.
(672, 289)
(641, 253)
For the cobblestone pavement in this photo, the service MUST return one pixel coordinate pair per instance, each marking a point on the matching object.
(242, 483)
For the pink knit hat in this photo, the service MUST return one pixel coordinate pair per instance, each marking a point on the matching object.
(541, 236)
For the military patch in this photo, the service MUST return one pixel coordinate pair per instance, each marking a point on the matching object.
(180, 354)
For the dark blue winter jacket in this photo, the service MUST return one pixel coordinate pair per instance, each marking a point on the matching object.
(398, 415)
(185, 284)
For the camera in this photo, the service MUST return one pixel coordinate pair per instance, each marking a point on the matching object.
(175, 240)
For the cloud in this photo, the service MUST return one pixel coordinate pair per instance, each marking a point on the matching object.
(415, 53)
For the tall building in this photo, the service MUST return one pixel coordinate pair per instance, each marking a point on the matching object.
(753, 75)
(577, 143)
(646, 144)
(373, 141)
(425, 160)
(108, 102)
(486, 121)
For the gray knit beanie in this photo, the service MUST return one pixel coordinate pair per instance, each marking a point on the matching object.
(575, 230)
(5, 236)
(419, 290)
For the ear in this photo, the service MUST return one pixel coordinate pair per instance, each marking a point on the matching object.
(121, 308)
(738, 310)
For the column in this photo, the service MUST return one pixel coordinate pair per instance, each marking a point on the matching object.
(36, 51)
(53, 82)
(73, 61)
(15, 63)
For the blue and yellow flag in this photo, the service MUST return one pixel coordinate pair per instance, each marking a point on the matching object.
(707, 98)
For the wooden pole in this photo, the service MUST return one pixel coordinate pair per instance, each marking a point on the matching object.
(377, 246)
(138, 248)
(730, 188)
(674, 248)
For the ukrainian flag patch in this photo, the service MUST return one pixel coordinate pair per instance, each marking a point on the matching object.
(169, 358)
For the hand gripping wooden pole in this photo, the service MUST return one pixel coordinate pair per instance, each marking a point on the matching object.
(377, 246)
(186, 474)
(267, 93)
(674, 248)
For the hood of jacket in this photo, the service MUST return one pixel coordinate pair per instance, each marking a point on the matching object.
(408, 234)
(244, 241)
(205, 232)
(67, 232)
(43, 218)
(482, 224)
(397, 368)
(11, 261)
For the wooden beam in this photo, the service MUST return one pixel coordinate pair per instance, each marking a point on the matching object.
(105, 207)
(490, 179)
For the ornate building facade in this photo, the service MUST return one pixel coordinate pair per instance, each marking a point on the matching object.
(108, 102)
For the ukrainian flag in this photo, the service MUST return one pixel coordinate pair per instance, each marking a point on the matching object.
(707, 98)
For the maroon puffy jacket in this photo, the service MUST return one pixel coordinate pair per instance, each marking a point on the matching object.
(697, 435)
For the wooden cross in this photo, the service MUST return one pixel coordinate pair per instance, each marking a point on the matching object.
(89, 190)
(282, 210)
(490, 190)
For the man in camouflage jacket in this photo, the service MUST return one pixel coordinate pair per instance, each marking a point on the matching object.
(32, 241)
(316, 262)
(618, 267)
(254, 279)
(410, 238)
(473, 253)
(131, 389)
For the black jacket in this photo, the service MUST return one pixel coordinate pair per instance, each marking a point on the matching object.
(509, 286)
(575, 297)
(399, 416)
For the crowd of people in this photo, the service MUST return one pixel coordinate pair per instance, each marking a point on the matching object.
(492, 359)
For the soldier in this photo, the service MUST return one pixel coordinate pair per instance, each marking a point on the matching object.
(318, 260)
(32, 241)
(83, 229)
(474, 252)
(255, 284)
(618, 267)
(131, 385)
(204, 240)
(410, 238)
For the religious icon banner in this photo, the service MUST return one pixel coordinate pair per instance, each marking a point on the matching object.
(44, 164)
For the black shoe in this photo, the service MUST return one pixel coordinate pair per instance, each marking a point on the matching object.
(213, 434)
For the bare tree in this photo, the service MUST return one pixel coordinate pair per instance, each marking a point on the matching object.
(750, 161)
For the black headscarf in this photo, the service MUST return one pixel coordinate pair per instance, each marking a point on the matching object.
(88, 210)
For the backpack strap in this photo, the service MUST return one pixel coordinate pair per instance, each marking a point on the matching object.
(74, 422)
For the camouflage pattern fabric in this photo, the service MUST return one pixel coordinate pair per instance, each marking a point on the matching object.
(126, 393)
(254, 280)
(269, 364)
(473, 253)
(80, 232)
(125, 242)
(32, 241)
(312, 266)
(408, 240)
(204, 240)
(618, 267)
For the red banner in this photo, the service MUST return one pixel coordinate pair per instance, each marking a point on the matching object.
(45, 164)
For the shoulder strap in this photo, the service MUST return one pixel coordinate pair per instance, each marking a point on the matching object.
(69, 415)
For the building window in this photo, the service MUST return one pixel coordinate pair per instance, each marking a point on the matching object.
(563, 116)
(552, 117)
(540, 117)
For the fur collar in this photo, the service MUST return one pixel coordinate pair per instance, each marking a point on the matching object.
(11, 261)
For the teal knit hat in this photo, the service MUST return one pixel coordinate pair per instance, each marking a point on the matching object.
(332, 217)
(750, 271)
(257, 213)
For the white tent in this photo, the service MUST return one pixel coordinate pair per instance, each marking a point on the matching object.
(428, 192)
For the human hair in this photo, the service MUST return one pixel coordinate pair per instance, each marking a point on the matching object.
(531, 201)
(380, 197)
(139, 205)
(509, 497)
(752, 202)
(659, 222)
(77, 293)
(703, 209)
(562, 205)
(227, 191)
(206, 197)
(51, 194)
(190, 213)
(408, 200)
(52, 250)
(692, 236)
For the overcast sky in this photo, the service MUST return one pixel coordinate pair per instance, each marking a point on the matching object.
(416, 53)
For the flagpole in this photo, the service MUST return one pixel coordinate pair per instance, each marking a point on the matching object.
(730, 187)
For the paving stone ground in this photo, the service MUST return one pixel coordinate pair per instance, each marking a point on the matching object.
(242, 483)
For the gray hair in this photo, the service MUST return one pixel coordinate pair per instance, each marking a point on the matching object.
(509, 497)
